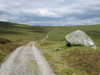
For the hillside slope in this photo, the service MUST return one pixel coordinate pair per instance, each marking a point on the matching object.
(76, 60)
(19, 34)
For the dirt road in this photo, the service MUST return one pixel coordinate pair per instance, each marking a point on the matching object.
(26, 60)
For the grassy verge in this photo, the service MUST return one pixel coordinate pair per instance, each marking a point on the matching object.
(76, 60)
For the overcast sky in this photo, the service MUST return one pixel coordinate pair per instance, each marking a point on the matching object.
(51, 12)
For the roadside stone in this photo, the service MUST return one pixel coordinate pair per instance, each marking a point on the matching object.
(79, 37)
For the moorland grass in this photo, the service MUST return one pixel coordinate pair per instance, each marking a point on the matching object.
(86, 60)
(75, 60)
(19, 34)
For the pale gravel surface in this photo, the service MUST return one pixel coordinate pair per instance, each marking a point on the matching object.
(47, 35)
(26, 60)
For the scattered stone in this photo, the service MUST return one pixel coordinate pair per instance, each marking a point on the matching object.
(57, 49)
(79, 37)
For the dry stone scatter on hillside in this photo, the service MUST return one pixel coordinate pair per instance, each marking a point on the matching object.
(80, 37)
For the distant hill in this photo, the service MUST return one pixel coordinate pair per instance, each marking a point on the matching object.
(19, 34)
(21, 31)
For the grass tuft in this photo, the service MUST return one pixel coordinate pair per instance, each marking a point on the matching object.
(86, 60)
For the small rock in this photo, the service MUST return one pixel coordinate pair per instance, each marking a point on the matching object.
(58, 49)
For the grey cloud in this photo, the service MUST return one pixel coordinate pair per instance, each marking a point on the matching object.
(23, 11)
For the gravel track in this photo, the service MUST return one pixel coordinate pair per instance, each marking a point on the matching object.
(26, 60)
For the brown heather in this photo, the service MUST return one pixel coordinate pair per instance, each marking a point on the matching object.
(88, 61)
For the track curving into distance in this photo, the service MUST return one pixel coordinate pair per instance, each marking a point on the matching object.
(26, 60)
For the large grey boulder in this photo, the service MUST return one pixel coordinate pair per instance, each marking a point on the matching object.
(79, 37)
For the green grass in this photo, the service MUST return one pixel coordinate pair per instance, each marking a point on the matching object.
(75, 60)
(86, 60)
(19, 34)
